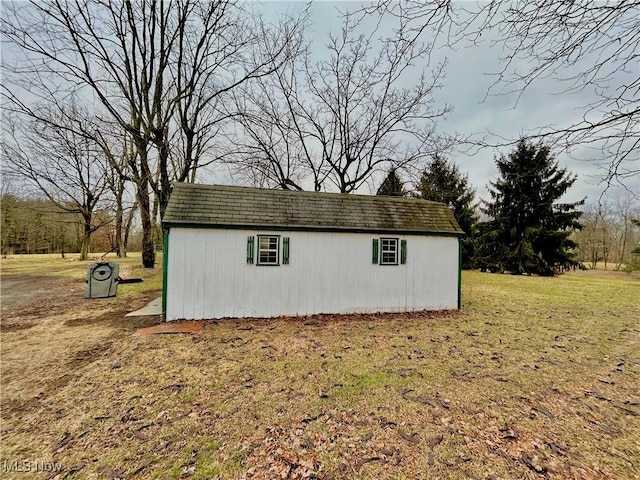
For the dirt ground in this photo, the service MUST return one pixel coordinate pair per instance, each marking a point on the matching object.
(28, 300)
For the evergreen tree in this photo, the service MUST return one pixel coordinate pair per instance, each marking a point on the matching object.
(392, 186)
(529, 232)
(443, 182)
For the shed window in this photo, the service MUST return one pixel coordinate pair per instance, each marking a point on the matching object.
(268, 248)
(388, 251)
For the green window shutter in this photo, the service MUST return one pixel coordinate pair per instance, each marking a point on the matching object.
(375, 251)
(250, 243)
(403, 251)
(285, 251)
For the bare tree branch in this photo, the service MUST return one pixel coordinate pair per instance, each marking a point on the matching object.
(584, 46)
(53, 151)
(332, 123)
(158, 69)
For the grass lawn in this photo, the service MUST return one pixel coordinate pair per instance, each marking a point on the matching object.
(535, 377)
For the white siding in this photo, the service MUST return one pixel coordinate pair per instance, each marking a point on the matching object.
(208, 276)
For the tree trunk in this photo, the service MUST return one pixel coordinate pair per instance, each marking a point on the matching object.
(154, 216)
(141, 178)
(605, 244)
(119, 218)
(119, 214)
(623, 247)
(86, 239)
(165, 181)
(148, 250)
(127, 227)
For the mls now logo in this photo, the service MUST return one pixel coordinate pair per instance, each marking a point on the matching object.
(30, 466)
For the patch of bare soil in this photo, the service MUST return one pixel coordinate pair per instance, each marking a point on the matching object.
(28, 299)
(115, 316)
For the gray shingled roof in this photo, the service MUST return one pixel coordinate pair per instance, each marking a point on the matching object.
(237, 207)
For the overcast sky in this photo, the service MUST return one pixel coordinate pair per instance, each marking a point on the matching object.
(465, 87)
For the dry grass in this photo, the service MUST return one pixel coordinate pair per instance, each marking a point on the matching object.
(534, 377)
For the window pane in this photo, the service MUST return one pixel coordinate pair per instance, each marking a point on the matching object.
(268, 257)
(389, 251)
(268, 247)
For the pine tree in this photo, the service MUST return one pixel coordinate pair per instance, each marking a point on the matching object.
(392, 185)
(443, 182)
(529, 231)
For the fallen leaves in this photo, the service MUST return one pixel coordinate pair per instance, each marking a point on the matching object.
(435, 441)
(276, 454)
(295, 451)
(409, 437)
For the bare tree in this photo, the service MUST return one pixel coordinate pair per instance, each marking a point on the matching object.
(594, 239)
(608, 234)
(52, 154)
(73, 119)
(120, 153)
(333, 122)
(207, 73)
(157, 69)
(625, 210)
(584, 46)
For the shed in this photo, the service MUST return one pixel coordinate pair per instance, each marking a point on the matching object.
(248, 252)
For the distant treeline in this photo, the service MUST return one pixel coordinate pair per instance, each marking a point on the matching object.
(36, 225)
(610, 234)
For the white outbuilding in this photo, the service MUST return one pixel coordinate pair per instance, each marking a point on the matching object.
(249, 252)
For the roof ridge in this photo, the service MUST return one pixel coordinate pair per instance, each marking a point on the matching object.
(307, 192)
